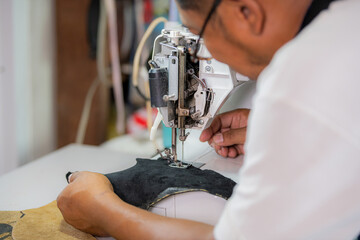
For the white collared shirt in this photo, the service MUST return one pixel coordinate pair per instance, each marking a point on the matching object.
(301, 177)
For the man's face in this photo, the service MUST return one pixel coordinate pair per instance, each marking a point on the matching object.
(220, 46)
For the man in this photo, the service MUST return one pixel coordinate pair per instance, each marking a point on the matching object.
(302, 149)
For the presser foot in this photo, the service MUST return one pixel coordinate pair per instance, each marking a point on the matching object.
(172, 161)
(179, 164)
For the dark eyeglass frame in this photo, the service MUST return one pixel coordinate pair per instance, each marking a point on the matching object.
(212, 10)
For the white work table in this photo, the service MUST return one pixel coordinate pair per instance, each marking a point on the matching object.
(39, 183)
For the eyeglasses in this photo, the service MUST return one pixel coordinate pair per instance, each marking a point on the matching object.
(194, 56)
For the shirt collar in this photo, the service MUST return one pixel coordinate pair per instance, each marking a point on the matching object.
(315, 8)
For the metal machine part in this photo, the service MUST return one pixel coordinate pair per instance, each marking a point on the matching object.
(188, 94)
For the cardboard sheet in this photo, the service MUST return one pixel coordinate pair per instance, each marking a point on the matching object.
(40, 223)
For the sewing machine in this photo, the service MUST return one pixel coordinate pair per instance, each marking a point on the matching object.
(188, 93)
(186, 83)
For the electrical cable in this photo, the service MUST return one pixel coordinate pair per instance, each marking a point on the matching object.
(141, 46)
(101, 46)
(136, 66)
(128, 27)
(110, 6)
(154, 128)
(141, 94)
(140, 15)
(139, 18)
(101, 79)
(86, 112)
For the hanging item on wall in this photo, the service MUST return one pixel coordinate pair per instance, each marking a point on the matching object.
(148, 11)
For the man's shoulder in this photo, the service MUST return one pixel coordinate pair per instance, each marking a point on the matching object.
(319, 69)
(326, 50)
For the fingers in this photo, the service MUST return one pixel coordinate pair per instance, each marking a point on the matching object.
(232, 153)
(229, 152)
(220, 122)
(230, 137)
(229, 120)
(223, 151)
(240, 149)
(73, 176)
(206, 135)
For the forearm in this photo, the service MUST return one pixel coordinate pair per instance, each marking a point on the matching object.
(124, 221)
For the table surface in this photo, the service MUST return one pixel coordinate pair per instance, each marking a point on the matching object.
(39, 182)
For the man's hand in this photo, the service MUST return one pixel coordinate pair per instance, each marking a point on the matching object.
(227, 133)
(81, 201)
(88, 203)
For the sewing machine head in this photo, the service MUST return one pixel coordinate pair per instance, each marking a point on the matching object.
(187, 93)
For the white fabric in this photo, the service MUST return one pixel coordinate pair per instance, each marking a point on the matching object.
(301, 174)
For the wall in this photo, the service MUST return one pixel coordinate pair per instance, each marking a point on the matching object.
(76, 71)
(26, 82)
(8, 153)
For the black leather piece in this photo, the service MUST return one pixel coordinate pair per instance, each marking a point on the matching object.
(150, 181)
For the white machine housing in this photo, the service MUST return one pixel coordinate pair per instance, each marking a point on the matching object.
(208, 82)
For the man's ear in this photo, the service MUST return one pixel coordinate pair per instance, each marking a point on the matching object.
(250, 13)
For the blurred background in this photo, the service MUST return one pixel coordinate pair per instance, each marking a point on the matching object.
(57, 70)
